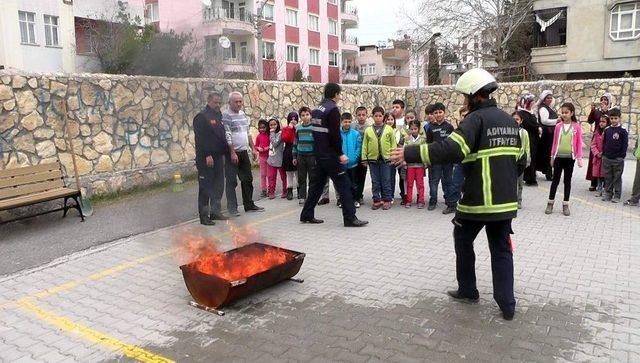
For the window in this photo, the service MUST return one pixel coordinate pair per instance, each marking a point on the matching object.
(332, 1)
(314, 57)
(244, 53)
(51, 31)
(625, 21)
(368, 69)
(392, 69)
(314, 23)
(333, 59)
(551, 27)
(242, 11)
(229, 9)
(267, 12)
(229, 53)
(292, 53)
(269, 50)
(153, 12)
(292, 17)
(27, 27)
(333, 27)
(210, 47)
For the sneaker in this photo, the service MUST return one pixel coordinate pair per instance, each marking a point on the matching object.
(631, 203)
(272, 196)
(323, 201)
(599, 193)
(264, 194)
(420, 205)
(549, 209)
(301, 201)
(449, 210)
(407, 205)
(606, 198)
(615, 200)
(565, 209)
(339, 204)
(431, 206)
(376, 205)
(234, 213)
(289, 193)
(283, 195)
(403, 202)
(357, 204)
(386, 205)
(360, 201)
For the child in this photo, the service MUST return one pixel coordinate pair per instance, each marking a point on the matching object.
(352, 148)
(635, 191)
(415, 172)
(398, 113)
(595, 158)
(428, 110)
(262, 147)
(303, 157)
(361, 169)
(377, 144)
(526, 151)
(565, 149)
(399, 134)
(614, 146)
(289, 138)
(276, 149)
(439, 130)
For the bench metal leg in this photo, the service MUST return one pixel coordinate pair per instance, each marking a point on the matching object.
(65, 208)
(77, 206)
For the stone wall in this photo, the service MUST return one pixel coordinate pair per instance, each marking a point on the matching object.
(133, 131)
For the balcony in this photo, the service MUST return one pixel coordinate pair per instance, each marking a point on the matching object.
(395, 79)
(350, 44)
(227, 21)
(349, 74)
(228, 67)
(349, 15)
(395, 54)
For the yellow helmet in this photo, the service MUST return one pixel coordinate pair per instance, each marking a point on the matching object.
(475, 80)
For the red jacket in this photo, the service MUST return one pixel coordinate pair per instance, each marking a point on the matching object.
(262, 140)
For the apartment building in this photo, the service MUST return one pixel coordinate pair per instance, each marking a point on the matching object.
(388, 66)
(37, 35)
(579, 39)
(288, 39)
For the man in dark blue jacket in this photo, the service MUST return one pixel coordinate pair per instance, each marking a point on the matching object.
(211, 147)
(327, 145)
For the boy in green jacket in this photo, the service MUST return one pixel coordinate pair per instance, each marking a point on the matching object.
(377, 143)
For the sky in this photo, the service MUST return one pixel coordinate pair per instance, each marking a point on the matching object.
(378, 19)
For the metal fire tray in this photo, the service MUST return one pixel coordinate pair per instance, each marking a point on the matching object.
(211, 291)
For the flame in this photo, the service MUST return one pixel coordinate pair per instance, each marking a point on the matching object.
(208, 257)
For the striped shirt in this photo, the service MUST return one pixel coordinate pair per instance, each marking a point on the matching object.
(236, 126)
(304, 140)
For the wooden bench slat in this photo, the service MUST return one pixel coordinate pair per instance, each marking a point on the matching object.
(7, 173)
(30, 178)
(30, 189)
(37, 198)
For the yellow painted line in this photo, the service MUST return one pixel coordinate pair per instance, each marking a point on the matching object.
(91, 335)
(599, 206)
(126, 265)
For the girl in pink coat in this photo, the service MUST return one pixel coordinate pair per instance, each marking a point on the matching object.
(565, 150)
(596, 152)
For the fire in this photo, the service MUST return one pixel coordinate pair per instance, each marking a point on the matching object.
(209, 258)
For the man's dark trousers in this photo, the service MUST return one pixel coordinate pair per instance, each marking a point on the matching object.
(329, 167)
(498, 234)
(361, 178)
(241, 171)
(210, 187)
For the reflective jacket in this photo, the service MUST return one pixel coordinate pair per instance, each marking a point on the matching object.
(488, 145)
(325, 119)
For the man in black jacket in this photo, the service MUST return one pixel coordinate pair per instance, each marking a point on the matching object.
(488, 145)
(330, 160)
(211, 147)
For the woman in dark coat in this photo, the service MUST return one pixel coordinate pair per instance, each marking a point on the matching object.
(594, 117)
(289, 137)
(530, 124)
(548, 118)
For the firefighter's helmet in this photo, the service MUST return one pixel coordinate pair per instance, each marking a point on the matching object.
(475, 80)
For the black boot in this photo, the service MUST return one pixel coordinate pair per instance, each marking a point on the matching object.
(289, 193)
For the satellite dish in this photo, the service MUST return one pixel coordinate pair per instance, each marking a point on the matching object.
(224, 42)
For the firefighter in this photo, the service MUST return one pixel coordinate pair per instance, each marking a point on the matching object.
(489, 147)
(330, 160)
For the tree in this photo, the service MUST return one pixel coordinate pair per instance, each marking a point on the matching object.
(123, 45)
(449, 56)
(433, 71)
(497, 24)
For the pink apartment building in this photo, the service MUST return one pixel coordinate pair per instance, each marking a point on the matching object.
(309, 35)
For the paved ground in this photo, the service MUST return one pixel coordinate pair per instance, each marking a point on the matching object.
(371, 294)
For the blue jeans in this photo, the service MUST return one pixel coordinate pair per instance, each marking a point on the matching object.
(457, 181)
(442, 173)
(381, 181)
